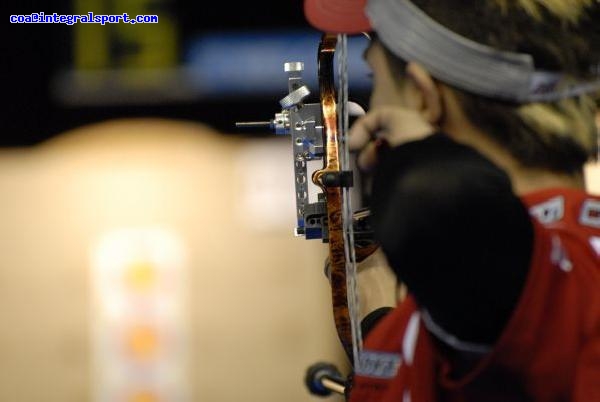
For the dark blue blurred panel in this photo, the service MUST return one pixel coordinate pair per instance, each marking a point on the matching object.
(248, 64)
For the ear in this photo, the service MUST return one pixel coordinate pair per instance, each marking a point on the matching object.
(431, 102)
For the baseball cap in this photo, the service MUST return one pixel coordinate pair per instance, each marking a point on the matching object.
(337, 16)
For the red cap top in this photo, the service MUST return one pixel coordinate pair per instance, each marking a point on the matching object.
(337, 16)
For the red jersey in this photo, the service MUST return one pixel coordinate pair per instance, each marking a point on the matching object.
(550, 349)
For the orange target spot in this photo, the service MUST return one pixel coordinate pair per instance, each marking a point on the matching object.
(143, 396)
(143, 342)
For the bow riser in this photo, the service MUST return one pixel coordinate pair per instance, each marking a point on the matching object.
(333, 194)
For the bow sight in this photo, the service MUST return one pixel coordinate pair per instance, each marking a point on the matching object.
(304, 123)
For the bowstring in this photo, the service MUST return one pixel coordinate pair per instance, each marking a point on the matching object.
(347, 211)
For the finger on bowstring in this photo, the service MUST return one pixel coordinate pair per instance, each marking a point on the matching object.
(363, 131)
(367, 159)
(370, 154)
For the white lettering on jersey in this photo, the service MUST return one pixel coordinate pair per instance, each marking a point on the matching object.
(595, 242)
(559, 256)
(406, 396)
(550, 211)
(590, 213)
(377, 364)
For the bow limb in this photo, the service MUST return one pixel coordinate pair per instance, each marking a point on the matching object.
(339, 214)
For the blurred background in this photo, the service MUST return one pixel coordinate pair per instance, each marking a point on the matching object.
(215, 63)
(146, 247)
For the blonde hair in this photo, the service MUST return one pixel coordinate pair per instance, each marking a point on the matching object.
(560, 136)
(567, 10)
(568, 118)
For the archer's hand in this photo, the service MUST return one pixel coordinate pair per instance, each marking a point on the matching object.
(377, 284)
(385, 126)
